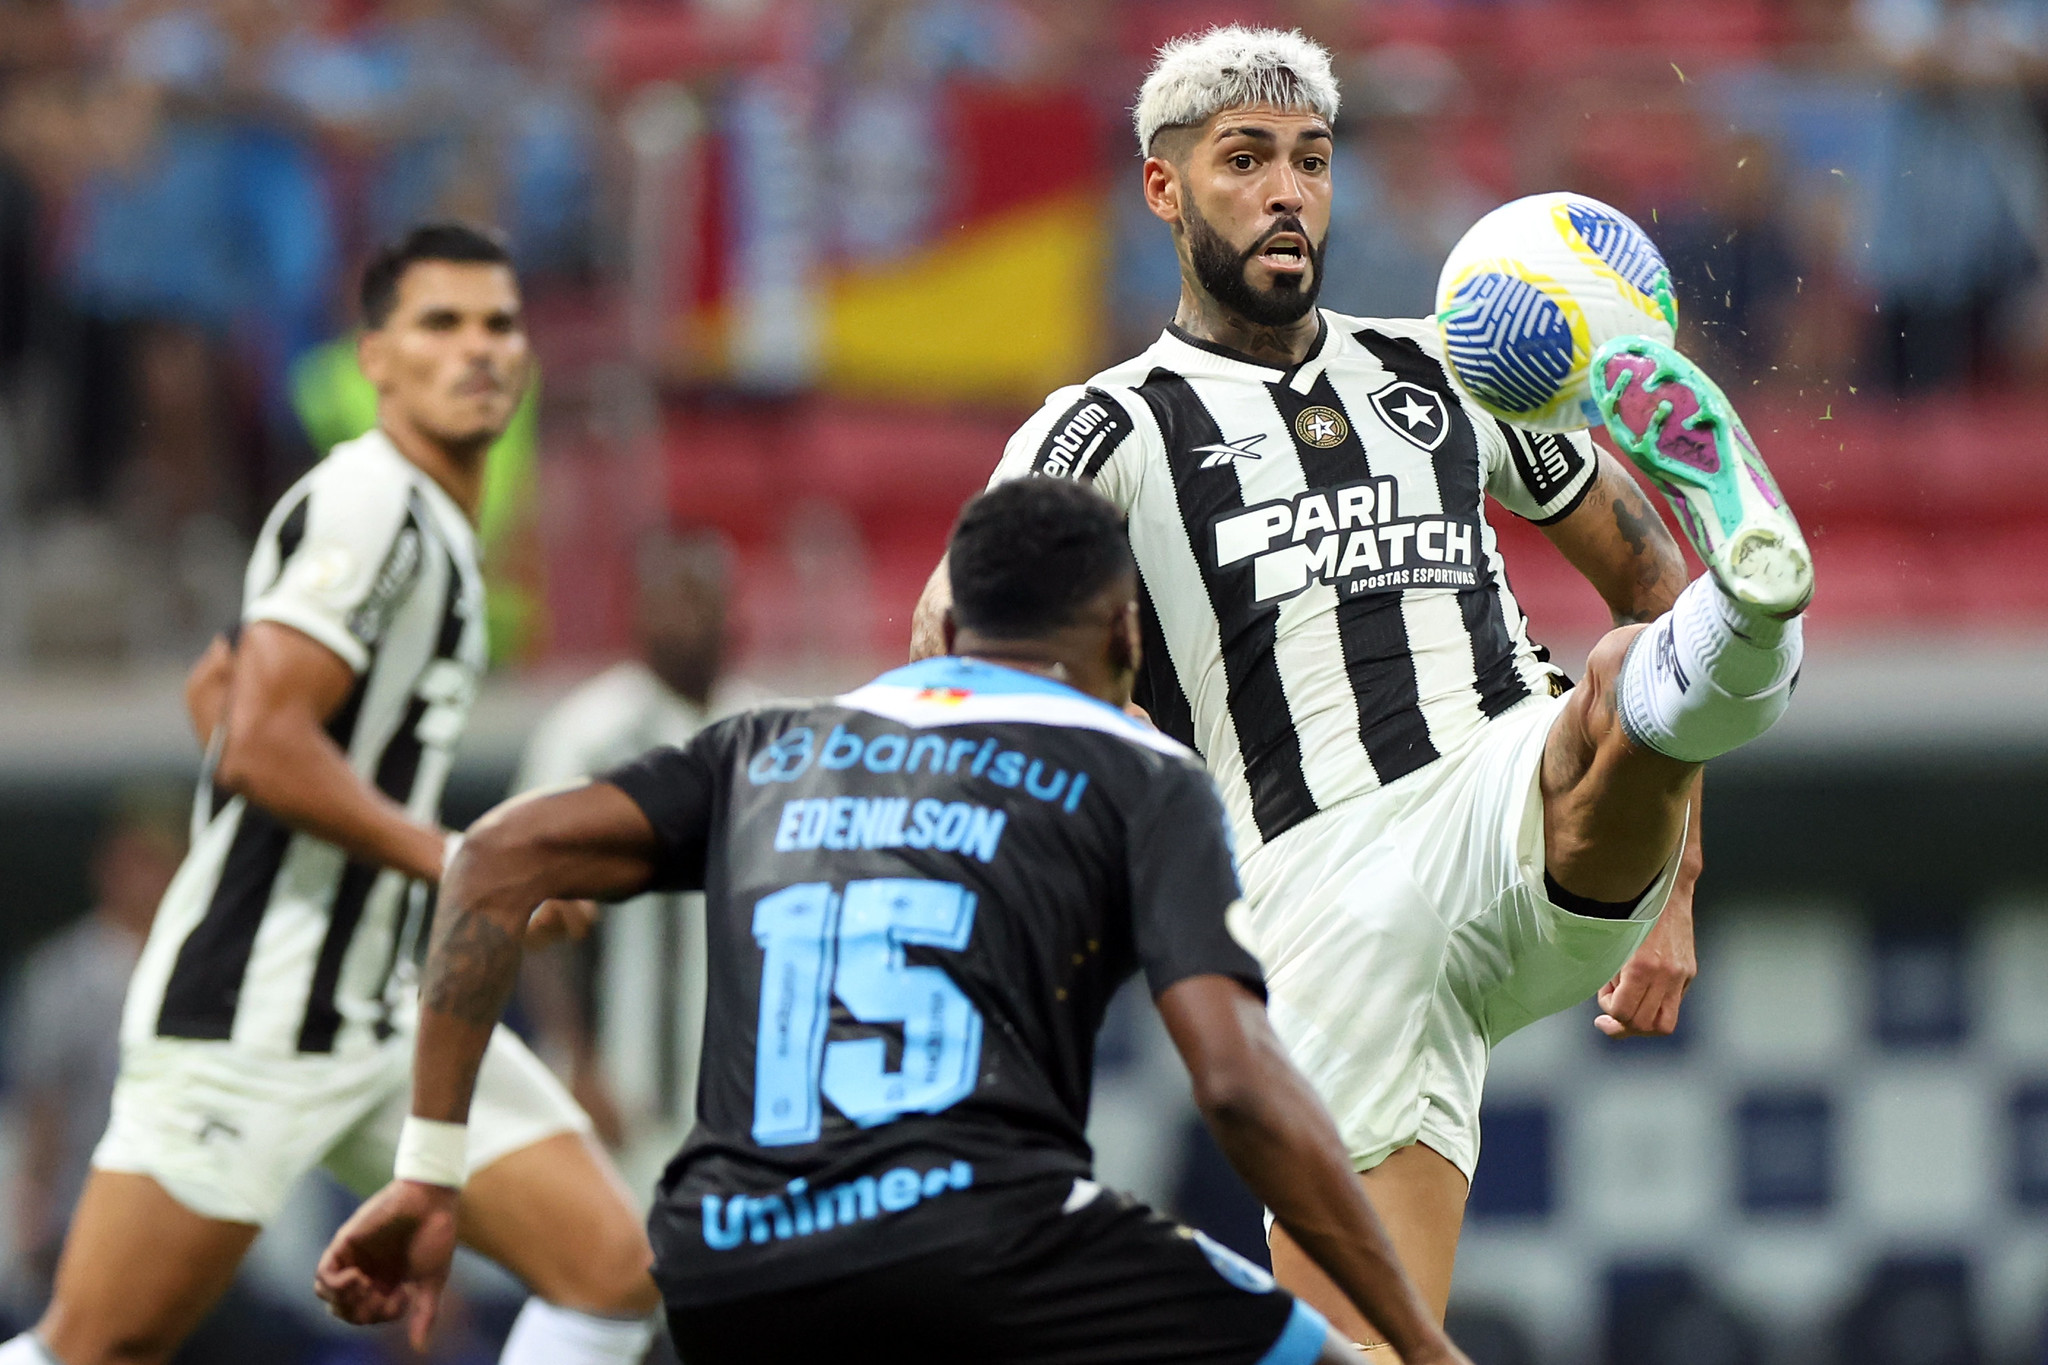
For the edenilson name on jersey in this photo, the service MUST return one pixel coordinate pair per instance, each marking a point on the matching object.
(842, 823)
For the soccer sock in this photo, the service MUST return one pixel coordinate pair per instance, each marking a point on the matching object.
(1708, 676)
(26, 1350)
(547, 1335)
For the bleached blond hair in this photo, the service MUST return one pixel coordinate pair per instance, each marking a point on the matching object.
(1226, 68)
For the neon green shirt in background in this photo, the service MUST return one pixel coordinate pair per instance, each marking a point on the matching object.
(335, 403)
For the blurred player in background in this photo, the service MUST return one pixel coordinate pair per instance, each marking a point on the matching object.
(971, 855)
(1442, 839)
(623, 1010)
(268, 1026)
(64, 1031)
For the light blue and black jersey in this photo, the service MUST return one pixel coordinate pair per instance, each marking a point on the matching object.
(921, 896)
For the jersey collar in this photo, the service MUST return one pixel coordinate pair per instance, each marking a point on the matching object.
(454, 522)
(952, 690)
(1274, 374)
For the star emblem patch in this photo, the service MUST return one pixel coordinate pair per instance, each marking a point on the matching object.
(1414, 412)
(1321, 427)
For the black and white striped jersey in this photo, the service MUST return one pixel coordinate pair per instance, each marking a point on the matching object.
(1326, 610)
(274, 939)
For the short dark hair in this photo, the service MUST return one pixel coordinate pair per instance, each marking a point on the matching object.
(1027, 555)
(463, 243)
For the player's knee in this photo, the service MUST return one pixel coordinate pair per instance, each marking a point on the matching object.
(1603, 665)
(610, 1278)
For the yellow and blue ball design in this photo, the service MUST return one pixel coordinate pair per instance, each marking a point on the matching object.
(1533, 290)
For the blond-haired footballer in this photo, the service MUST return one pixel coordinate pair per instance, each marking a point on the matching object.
(1443, 839)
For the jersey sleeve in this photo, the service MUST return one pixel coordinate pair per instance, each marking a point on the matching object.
(1086, 433)
(676, 789)
(1537, 475)
(350, 550)
(1184, 886)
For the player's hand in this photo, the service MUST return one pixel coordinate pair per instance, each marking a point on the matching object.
(1642, 1001)
(391, 1259)
(559, 920)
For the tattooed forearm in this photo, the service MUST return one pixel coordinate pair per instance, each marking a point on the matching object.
(1635, 521)
(1658, 572)
(472, 969)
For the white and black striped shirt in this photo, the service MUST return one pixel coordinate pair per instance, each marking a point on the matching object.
(1326, 610)
(274, 939)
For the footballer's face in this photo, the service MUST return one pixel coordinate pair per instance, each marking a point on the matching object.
(1250, 192)
(451, 361)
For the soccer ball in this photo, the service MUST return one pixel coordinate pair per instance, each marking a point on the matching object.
(1533, 290)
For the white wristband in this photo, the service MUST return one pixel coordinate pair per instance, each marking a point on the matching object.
(432, 1152)
(450, 846)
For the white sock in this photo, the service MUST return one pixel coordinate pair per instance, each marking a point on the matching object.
(1708, 676)
(547, 1335)
(26, 1350)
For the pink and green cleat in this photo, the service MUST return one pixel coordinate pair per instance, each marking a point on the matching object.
(1677, 426)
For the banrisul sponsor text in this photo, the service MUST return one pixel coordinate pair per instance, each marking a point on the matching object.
(906, 821)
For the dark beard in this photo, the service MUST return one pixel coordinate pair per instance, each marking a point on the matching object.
(1220, 267)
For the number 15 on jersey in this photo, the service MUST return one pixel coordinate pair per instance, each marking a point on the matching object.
(817, 943)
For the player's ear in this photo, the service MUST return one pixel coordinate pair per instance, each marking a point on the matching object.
(1163, 189)
(372, 357)
(949, 630)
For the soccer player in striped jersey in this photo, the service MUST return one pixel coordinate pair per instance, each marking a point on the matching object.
(1443, 839)
(268, 1026)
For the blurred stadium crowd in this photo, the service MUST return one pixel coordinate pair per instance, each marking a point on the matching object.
(796, 268)
(782, 252)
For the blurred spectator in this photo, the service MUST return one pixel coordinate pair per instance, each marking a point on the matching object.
(554, 141)
(64, 1034)
(1733, 263)
(889, 59)
(1820, 107)
(624, 1018)
(1398, 202)
(207, 232)
(1960, 218)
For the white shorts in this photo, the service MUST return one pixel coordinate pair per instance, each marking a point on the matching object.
(1407, 932)
(227, 1133)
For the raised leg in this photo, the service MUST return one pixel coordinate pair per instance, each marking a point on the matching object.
(138, 1273)
(1708, 676)
(1420, 1199)
(1613, 809)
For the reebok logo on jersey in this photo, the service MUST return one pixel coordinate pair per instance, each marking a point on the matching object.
(1353, 536)
(1413, 412)
(1223, 453)
(1083, 437)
